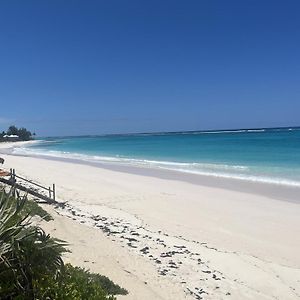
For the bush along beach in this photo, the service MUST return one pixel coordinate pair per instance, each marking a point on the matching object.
(31, 264)
(14, 134)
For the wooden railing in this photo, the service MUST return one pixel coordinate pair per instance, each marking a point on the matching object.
(18, 182)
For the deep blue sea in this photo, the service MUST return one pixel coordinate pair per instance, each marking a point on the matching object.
(266, 155)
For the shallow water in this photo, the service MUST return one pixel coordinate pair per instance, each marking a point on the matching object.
(264, 155)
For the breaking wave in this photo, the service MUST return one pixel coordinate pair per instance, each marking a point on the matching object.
(208, 169)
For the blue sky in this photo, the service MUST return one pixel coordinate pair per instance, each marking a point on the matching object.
(93, 67)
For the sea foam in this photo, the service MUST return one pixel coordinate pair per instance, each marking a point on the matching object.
(238, 172)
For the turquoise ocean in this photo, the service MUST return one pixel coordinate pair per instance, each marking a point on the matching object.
(264, 155)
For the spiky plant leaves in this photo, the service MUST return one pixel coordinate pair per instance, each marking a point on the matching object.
(27, 253)
(31, 266)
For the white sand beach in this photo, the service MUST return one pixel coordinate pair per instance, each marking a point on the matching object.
(161, 237)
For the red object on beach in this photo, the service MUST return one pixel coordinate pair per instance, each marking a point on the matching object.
(4, 173)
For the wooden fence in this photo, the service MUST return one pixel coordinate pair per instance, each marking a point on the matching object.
(31, 187)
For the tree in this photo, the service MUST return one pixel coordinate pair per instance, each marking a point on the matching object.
(2, 134)
(12, 130)
(22, 133)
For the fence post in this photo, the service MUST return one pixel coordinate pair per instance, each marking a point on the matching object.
(14, 175)
(53, 191)
(14, 180)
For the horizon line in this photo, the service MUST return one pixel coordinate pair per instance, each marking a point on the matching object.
(173, 132)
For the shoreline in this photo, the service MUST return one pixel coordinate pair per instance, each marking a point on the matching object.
(200, 241)
(277, 191)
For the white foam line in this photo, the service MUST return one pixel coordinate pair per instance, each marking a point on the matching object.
(252, 178)
(215, 170)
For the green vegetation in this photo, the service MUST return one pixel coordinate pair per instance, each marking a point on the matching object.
(31, 265)
(31, 208)
(78, 283)
(27, 253)
(22, 133)
(84, 278)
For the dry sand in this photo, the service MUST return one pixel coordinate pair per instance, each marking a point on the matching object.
(166, 238)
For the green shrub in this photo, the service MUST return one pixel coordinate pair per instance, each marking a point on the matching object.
(31, 266)
(30, 208)
(26, 252)
(33, 209)
(74, 283)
